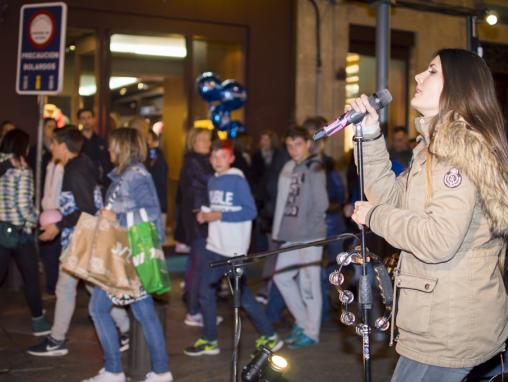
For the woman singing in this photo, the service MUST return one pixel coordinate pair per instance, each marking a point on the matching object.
(448, 213)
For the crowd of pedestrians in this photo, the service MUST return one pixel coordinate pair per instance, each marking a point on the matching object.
(227, 203)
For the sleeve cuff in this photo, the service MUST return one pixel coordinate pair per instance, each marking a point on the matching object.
(368, 218)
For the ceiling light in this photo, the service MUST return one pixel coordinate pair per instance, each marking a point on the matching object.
(491, 17)
(118, 82)
(87, 85)
(171, 46)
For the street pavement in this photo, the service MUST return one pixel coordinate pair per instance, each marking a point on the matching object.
(336, 358)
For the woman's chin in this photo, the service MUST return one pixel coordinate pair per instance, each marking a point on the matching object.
(414, 103)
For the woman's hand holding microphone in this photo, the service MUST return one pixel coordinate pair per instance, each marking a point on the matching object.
(370, 123)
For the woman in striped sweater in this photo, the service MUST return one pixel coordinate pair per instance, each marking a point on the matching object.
(17, 213)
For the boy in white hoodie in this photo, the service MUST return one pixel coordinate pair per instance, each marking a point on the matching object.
(229, 218)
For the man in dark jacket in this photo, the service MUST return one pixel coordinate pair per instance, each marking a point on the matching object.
(95, 147)
(158, 167)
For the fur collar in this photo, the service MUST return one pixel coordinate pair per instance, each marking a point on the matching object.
(462, 147)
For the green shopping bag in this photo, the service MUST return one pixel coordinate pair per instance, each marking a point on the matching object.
(147, 254)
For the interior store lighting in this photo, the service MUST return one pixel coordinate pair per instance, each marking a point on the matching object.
(170, 46)
(352, 69)
(87, 85)
(352, 88)
(203, 124)
(352, 57)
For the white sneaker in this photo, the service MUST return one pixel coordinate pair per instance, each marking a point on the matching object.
(193, 319)
(182, 248)
(197, 319)
(162, 377)
(106, 376)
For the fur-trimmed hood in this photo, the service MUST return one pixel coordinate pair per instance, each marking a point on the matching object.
(462, 147)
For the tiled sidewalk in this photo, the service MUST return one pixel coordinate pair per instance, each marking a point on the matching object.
(336, 358)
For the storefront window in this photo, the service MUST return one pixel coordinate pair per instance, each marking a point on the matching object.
(361, 78)
(140, 67)
(79, 85)
(226, 59)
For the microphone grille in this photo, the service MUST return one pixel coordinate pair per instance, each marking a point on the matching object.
(384, 96)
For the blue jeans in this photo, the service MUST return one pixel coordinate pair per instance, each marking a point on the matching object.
(193, 272)
(144, 311)
(408, 370)
(276, 303)
(208, 300)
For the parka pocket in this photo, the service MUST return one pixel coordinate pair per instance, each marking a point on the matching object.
(415, 302)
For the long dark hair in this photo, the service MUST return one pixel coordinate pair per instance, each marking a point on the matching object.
(16, 142)
(468, 90)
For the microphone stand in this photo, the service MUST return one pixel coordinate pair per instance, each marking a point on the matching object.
(235, 269)
(364, 288)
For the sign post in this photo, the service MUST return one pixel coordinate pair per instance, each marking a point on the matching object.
(41, 53)
(41, 48)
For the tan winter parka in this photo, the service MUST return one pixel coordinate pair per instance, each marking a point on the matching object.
(447, 214)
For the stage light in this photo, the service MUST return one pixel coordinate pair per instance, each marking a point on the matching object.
(278, 363)
(264, 367)
(491, 17)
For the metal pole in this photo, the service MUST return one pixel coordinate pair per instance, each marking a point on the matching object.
(472, 37)
(382, 52)
(470, 32)
(41, 100)
(255, 257)
(364, 288)
(236, 272)
(317, 99)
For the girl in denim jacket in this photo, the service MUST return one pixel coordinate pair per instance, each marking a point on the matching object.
(132, 188)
